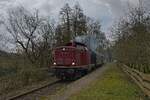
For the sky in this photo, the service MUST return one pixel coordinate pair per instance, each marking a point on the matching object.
(106, 11)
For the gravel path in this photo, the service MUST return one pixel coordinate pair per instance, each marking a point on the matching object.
(79, 84)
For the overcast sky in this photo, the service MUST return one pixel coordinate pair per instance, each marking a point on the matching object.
(104, 10)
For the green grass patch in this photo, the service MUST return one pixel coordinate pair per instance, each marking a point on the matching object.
(114, 85)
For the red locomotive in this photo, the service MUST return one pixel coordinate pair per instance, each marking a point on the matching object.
(73, 60)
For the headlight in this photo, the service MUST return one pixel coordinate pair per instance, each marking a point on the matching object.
(64, 49)
(54, 63)
(73, 63)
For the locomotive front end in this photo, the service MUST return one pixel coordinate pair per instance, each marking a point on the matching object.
(71, 60)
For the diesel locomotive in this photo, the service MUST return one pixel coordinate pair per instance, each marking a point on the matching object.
(74, 60)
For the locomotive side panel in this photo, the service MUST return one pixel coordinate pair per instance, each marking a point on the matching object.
(84, 57)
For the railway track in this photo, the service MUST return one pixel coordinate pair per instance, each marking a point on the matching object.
(35, 94)
(45, 90)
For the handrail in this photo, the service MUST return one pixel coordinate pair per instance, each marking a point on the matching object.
(141, 79)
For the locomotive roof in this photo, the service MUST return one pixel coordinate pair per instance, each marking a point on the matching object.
(76, 43)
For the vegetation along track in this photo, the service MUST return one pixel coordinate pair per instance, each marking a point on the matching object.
(47, 89)
(43, 90)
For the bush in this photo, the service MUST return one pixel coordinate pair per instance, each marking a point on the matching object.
(26, 76)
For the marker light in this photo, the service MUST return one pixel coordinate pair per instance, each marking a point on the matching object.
(54, 63)
(73, 63)
(63, 49)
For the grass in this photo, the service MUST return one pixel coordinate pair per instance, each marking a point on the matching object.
(17, 73)
(114, 85)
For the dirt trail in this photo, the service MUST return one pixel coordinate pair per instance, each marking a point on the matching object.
(79, 84)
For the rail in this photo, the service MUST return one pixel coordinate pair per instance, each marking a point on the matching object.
(141, 79)
(33, 90)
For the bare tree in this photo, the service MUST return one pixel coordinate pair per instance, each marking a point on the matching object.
(94, 29)
(47, 43)
(59, 35)
(132, 39)
(78, 21)
(65, 15)
(4, 39)
(30, 32)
